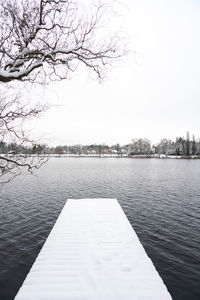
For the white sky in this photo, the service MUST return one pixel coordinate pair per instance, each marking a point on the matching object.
(153, 94)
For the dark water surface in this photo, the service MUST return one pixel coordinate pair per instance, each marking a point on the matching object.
(161, 199)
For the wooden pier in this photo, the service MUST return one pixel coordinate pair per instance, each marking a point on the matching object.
(93, 253)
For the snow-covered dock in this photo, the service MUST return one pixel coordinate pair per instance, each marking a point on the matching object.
(92, 253)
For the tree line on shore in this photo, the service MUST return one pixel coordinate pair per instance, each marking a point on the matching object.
(141, 146)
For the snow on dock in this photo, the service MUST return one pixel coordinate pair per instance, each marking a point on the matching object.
(92, 253)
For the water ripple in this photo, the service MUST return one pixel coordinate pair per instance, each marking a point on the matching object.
(161, 199)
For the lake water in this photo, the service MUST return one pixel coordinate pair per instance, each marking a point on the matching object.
(161, 199)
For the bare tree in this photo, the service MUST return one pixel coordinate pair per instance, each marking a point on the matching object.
(14, 113)
(44, 40)
(140, 146)
(164, 146)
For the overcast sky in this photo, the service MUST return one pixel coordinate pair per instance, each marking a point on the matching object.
(154, 93)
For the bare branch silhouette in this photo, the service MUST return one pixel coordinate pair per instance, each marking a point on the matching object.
(14, 113)
(46, 40)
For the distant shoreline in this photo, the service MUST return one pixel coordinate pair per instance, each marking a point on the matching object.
(142, 156)
(157, 156)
